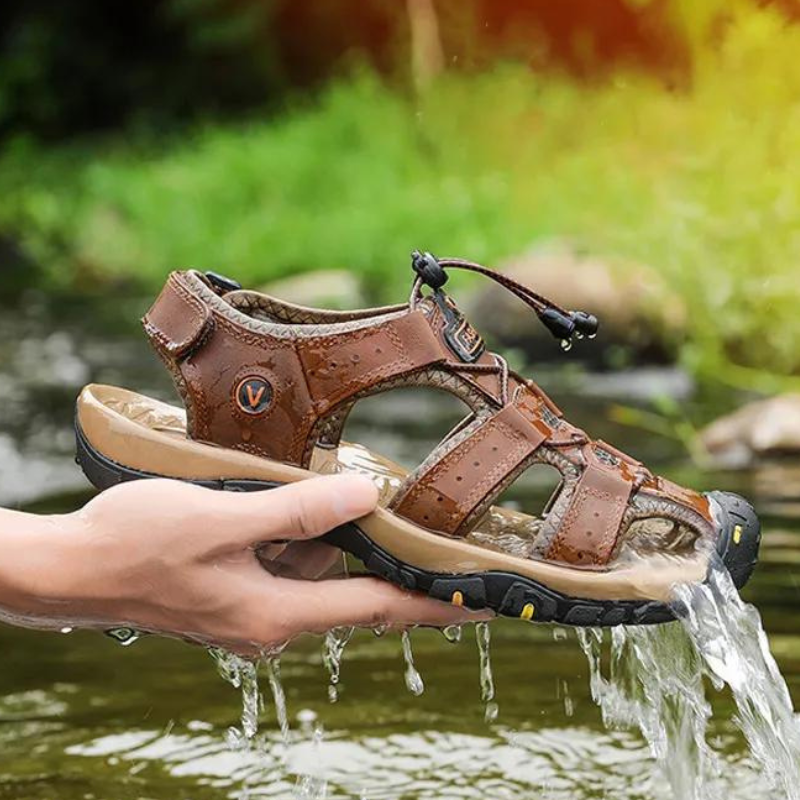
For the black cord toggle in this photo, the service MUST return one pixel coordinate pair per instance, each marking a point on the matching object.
(585, 324)
(562, 324)
(427, 266)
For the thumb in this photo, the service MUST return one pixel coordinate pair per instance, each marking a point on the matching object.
(301, 510)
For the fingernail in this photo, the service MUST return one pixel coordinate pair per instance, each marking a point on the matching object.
(356, 497)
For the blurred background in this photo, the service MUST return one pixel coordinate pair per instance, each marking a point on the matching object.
(635, 158)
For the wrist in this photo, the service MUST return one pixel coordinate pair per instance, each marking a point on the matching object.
(35, 565)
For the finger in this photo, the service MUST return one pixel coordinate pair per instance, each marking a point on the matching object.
(362, 602)
(307, 560)
(299, 510)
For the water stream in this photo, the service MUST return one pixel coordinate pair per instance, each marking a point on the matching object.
(654, 679)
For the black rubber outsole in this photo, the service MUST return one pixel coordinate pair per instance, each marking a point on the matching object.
(505, 593)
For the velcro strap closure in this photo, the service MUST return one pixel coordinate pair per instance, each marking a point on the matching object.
(178, 320)
(589, 530)
(471, 475)
(337, 367)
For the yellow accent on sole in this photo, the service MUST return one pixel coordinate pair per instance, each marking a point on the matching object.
(737, 534)
(457, 599)
(527, 611)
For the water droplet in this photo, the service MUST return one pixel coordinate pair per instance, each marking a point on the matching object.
(333, 647)
(569, 706)
(414, 682)
(483, 638)
(306, 717)
(124, 636)
(560, 634)
(452, 633)
(66, 630)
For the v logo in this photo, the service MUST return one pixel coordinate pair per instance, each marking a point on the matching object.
(254, 399)
(253, 395)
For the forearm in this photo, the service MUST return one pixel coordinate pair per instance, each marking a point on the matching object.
(31, 564)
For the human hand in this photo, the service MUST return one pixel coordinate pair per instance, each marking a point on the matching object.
(172, 558)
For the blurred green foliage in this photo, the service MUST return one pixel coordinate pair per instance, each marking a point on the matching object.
(701, 182)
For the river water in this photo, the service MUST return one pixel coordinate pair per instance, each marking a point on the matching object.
(83, 719)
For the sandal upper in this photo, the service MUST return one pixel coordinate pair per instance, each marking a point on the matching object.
(277, 380)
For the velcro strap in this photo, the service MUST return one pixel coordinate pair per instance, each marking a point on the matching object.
(471, 475)
(589, 530)
(177, 320)
(337, 367)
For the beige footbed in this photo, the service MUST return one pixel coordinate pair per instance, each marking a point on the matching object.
(148, 435)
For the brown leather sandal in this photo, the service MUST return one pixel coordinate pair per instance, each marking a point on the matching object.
(268, 386)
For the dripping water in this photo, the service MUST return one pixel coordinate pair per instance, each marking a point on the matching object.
(273, 669)
(242, 674)
(124, 636)
(452, 633)
(414, 682)
(565, 695)
(483, 639)
(332, 650)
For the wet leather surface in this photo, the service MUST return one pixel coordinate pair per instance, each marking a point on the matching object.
(314, 370)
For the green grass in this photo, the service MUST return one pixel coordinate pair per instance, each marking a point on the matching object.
(702, 184)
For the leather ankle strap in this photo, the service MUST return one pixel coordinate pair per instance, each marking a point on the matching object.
(178, 320)
(300, 373)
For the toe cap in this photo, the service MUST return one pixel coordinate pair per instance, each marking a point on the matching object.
(740, 535)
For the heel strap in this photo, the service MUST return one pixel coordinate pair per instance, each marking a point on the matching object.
(178, 320)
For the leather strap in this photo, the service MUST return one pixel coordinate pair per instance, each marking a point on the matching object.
(213, 352)
(177, 320)
(472, 474)
(338, 367)
(591, 525)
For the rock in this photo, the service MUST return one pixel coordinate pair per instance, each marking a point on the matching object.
(320, 289)
(762, 428)
(636, 307)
